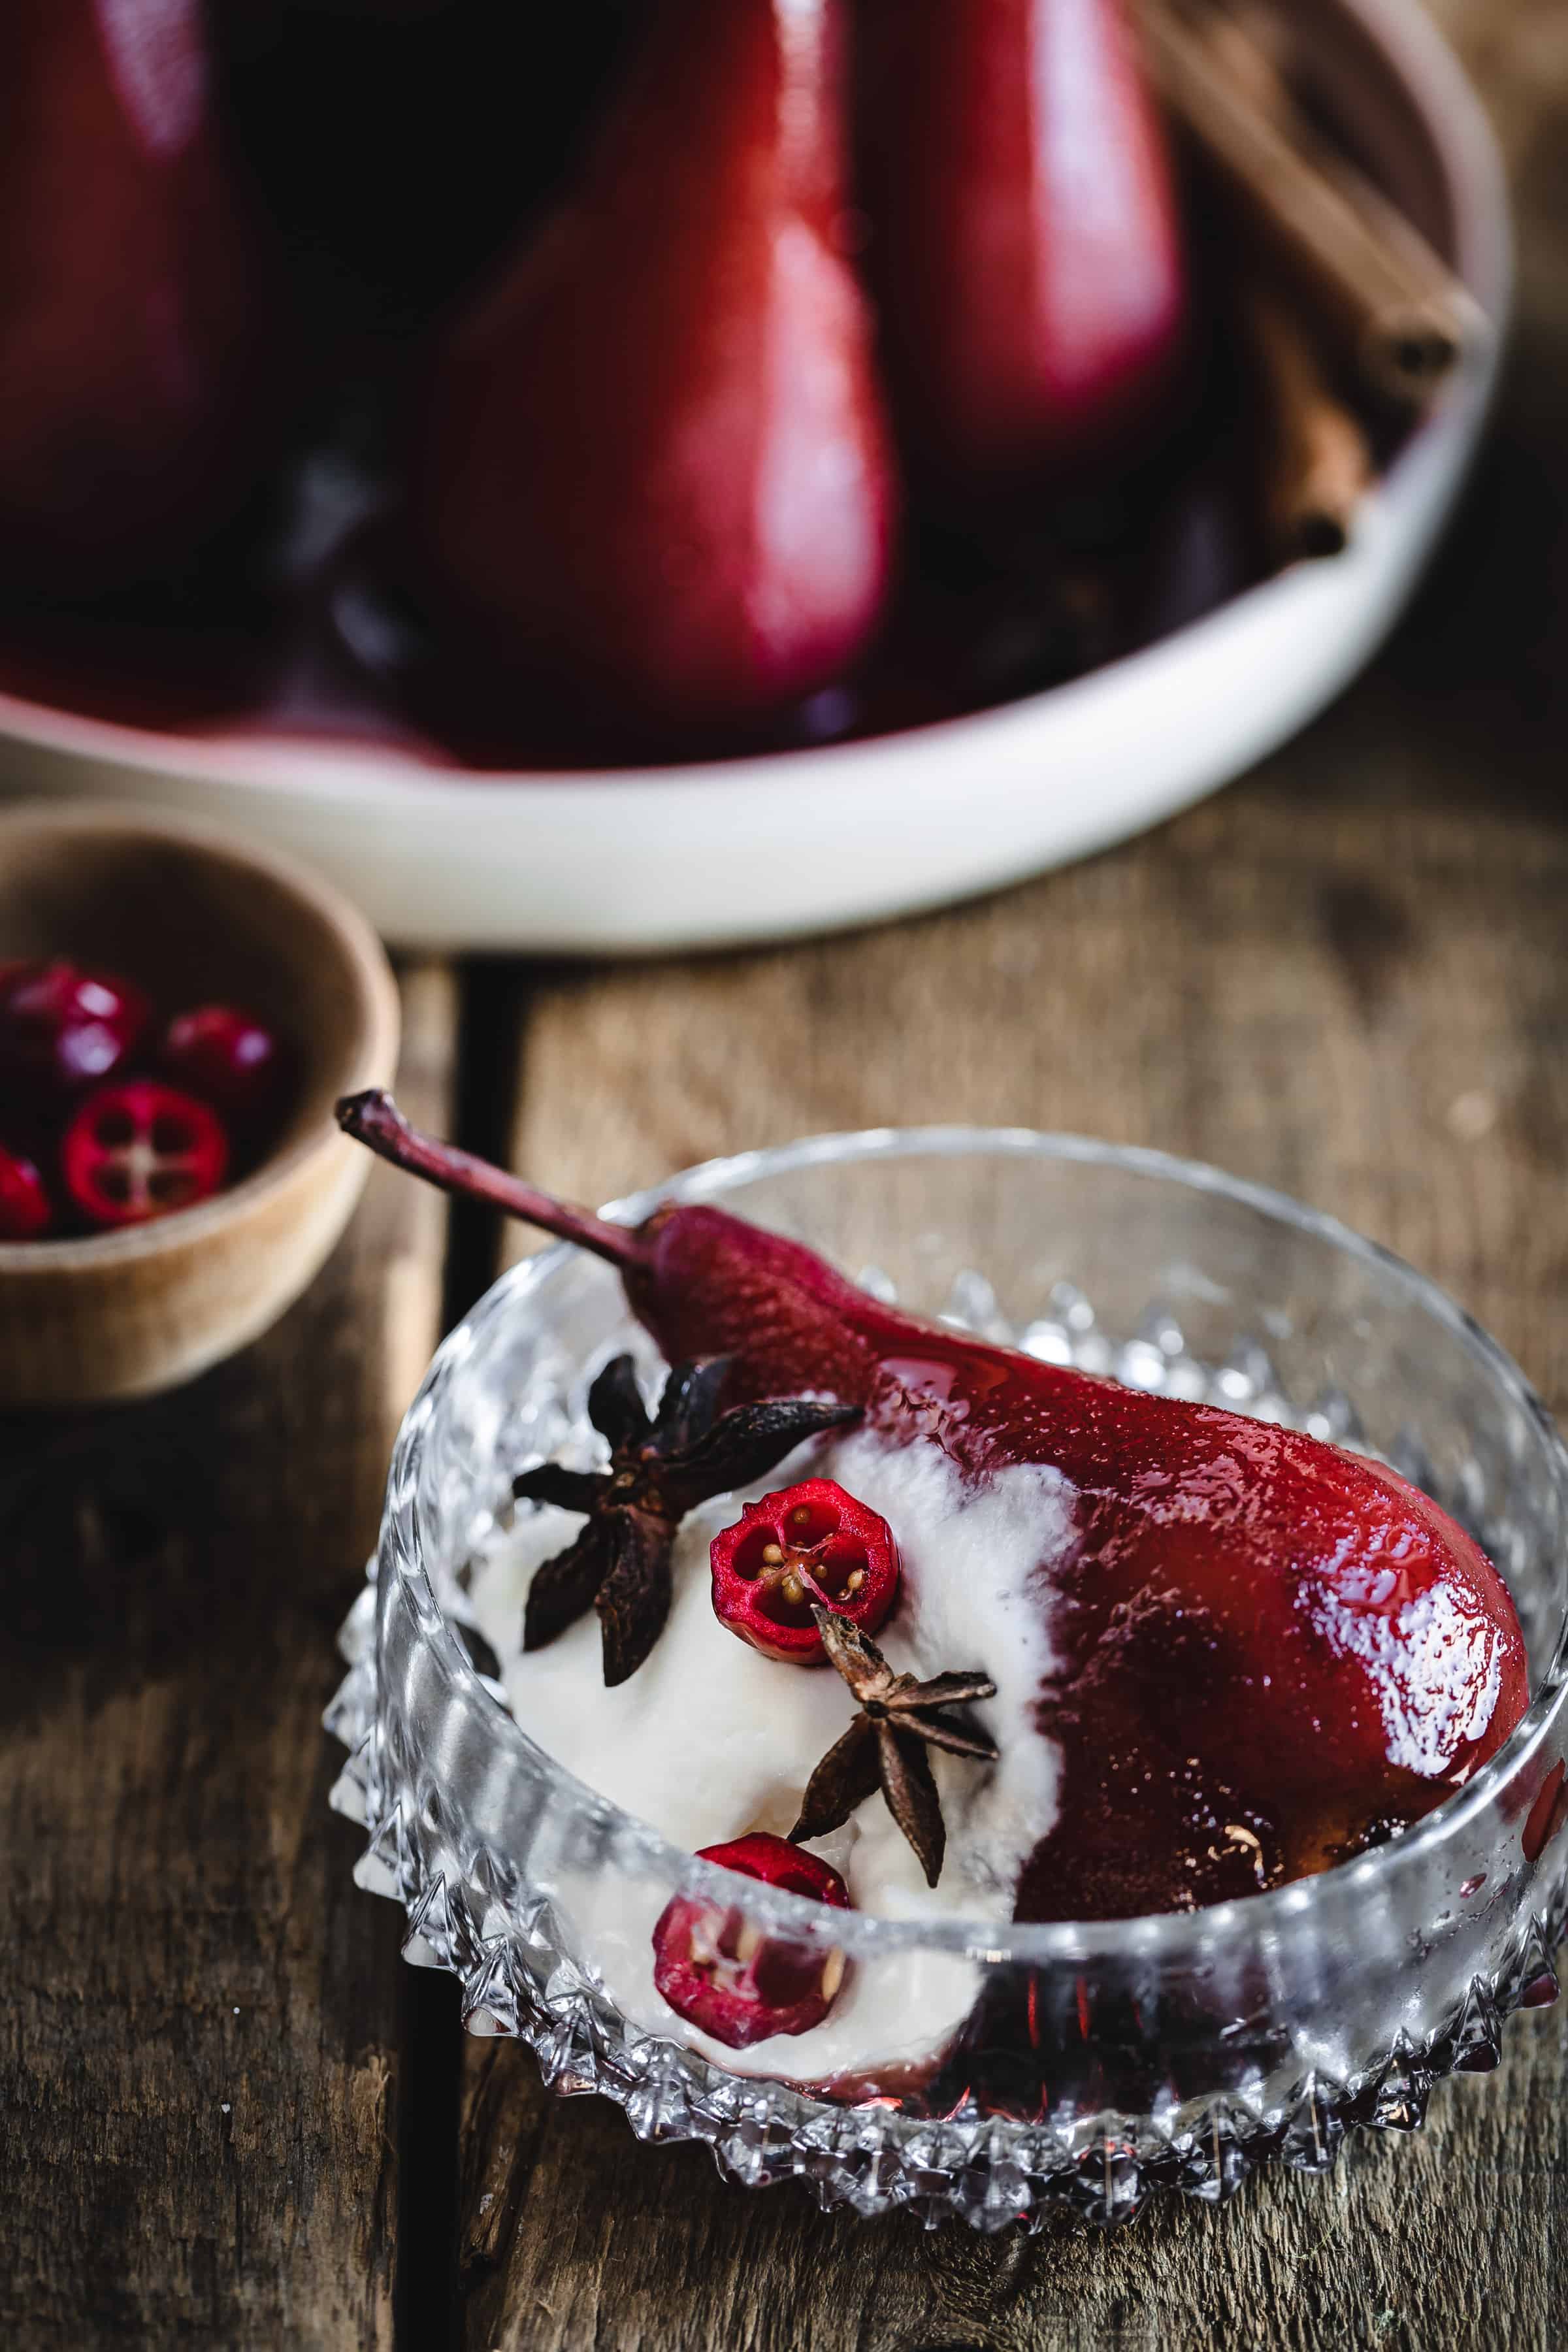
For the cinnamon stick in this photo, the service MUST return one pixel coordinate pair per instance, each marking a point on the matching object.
(1374, 285)
(1257, 46)
(1316, 461)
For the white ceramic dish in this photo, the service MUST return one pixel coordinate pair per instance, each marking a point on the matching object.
(748, 849)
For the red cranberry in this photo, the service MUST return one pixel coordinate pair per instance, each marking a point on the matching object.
(811, 1543)
(720, 1971)
(62, 1028)
(141, 1150)
(25, 1211)
(229, 1058)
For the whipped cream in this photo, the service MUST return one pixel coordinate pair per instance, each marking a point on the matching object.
(708, 1739)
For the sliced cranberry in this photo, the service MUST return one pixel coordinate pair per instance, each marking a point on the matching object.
(813, 1542)
(719, 1970)
(229, 1058)
(141, 1150)
(25, 1214)
(62, 1028)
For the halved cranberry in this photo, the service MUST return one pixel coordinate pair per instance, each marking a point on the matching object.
(62, 1028)
(719, 1970)
(813, 1542)
(229, 1058)
(141, 1150)
(25, 1211)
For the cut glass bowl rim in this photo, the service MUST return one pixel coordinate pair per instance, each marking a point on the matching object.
(1166, 1937)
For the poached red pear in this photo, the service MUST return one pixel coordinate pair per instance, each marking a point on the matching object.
(1269, 1652)
(1027, 252)
(138, 333)
(651, 466)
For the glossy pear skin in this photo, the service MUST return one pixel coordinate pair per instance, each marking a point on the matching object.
(1272, 1650)
(1027, 254)
(652, 466)
(136, 392)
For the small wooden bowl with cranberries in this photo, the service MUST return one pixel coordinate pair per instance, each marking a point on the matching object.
(178, 1014)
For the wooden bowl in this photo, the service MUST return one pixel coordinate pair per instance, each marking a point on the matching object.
(194, 916)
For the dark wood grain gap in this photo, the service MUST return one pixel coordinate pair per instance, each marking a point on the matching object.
(425, 2305)
(425, 2312)
(494, 1000)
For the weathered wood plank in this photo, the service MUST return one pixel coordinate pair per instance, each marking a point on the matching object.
(198, 2081)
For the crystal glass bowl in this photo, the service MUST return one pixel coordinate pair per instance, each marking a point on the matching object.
(1095, 2061)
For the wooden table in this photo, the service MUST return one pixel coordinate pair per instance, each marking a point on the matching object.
(228, 2116)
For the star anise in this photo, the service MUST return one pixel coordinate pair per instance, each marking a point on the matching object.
(885, 1746)
(661, 1466)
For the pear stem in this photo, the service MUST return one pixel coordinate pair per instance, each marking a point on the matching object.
(374, 1120)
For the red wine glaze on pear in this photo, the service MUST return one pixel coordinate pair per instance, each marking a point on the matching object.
(1028, 251)
(144, 353)
(1271, 1652)
(651, 462)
